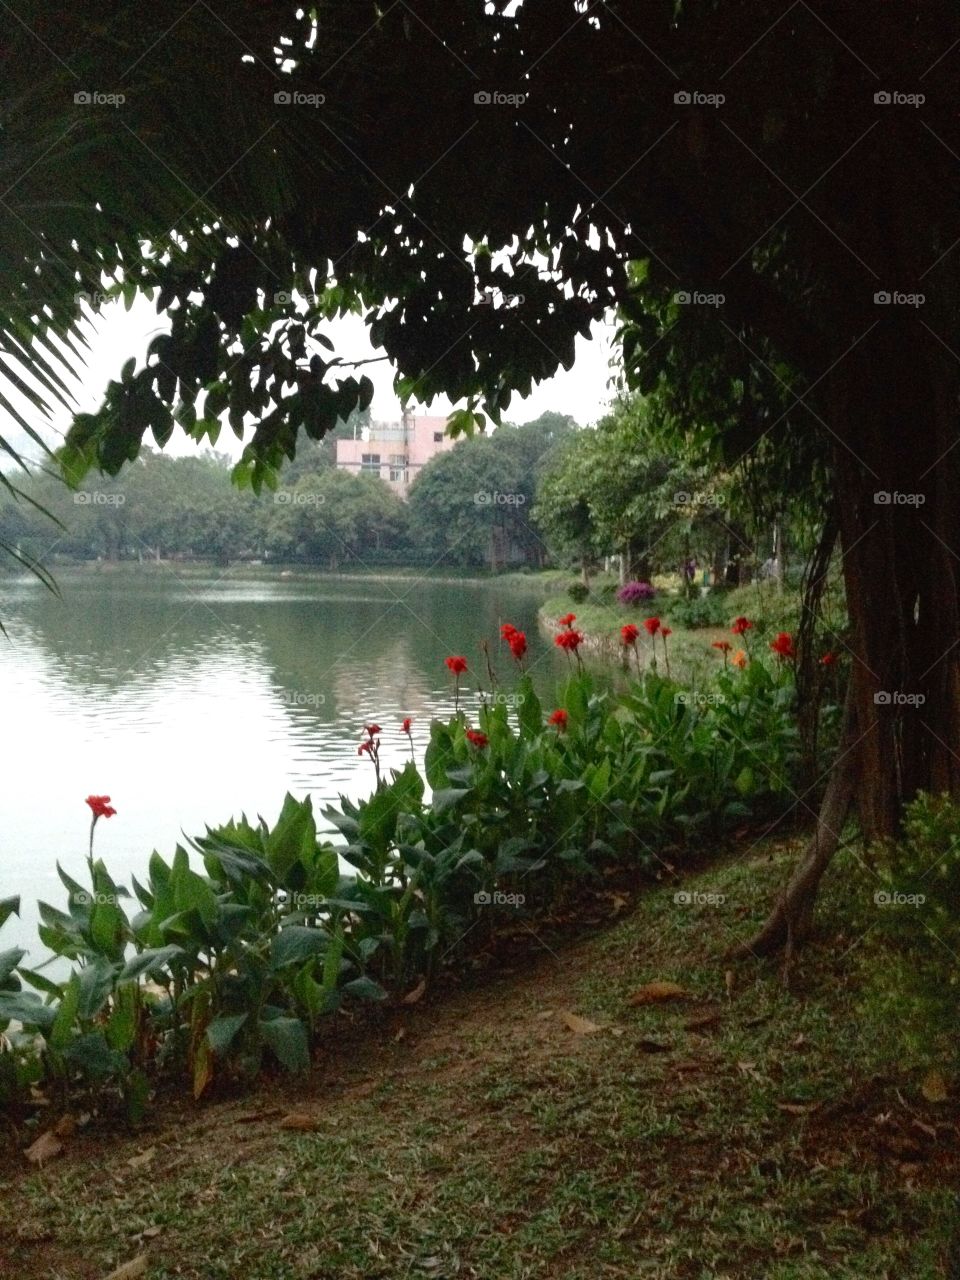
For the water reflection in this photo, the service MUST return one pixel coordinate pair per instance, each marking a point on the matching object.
(190, 700)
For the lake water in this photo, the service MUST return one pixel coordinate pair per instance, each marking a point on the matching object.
(190, 698)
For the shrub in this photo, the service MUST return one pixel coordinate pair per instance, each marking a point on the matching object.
(636, 593)
(578, 592)
(711, 610)
(916, 901)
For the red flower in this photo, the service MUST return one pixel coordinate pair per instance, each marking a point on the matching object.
(828, 660)
(405, 726)
(666, 631)
(629, 633)
(783, 645)
(456, 665)
(723, 645)
(652, 625)
(364, 746)
(507, 630)
(740, 625)
(478, 739)
(372, 730)
(100, 806)
(569, 640)
(518, 644)
(567, 620)
(559, 718)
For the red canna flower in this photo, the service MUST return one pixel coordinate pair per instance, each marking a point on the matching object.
(783, 645)
(478, 739)
(723, 645)
(567, 620)
(569, 640)
(741, 625)
(559, 718)
(507, 630)
(739, 659)
(629, 633)
(100, 807)
(828, 660)
(405, 725)
(518, 644)
(666, 631)
(364, 746)
(456, 664)
(372, 730)
(652, 625)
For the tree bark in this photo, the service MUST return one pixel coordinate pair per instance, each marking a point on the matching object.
(897, 475)
(791, 918)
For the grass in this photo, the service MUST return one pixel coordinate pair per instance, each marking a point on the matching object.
(740, 1132)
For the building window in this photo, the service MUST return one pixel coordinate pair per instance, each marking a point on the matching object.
(438, 437)
(370, 462)
(398, 467)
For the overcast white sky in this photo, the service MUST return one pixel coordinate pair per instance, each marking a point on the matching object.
(583, 392)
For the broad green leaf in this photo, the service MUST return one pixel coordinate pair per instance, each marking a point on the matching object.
(287, 1038)
(221, 1031)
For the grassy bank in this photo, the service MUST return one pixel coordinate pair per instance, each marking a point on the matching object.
(543, 583)
(734, 1132)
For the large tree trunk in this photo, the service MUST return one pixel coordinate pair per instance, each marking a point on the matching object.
(893, 412)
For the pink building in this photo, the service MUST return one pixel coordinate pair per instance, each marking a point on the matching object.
(395, 451)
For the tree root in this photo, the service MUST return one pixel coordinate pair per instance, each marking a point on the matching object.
(791, 919)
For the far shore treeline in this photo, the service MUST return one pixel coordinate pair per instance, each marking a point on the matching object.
(547, 493)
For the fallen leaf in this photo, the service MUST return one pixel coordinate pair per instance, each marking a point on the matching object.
(401, 1033)
(363, 1090)
(730, 980)
(797, 1108)
(758, 1021)
(582, 1026)
(928, 1129)
(253, 1116)
(65, 1127)
(413, 996)
(46, 1147)
(934, 1087)
(547, 1013)
(748, 1069)
(129, 1270)
(704, 1020)
(144, 1158)
(657, 992)
(300, 1120)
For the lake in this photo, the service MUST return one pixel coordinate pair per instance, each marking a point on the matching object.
(192, 697)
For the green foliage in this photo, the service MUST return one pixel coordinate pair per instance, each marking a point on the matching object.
(212, 967)
(916, 904)
(472, 506)
(710, 610)
(622, 489)
(578, 592)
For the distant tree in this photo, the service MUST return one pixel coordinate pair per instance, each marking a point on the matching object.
(336, 519)
(473, 505)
